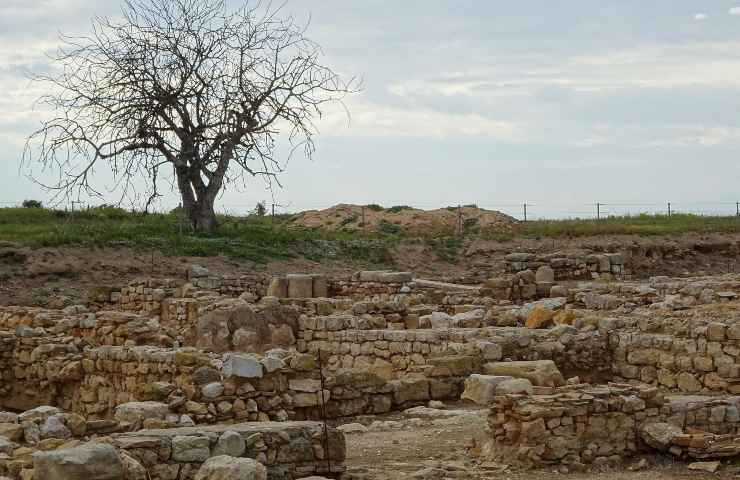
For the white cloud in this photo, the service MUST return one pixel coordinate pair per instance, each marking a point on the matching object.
(370, 120)
(661, 66)
(734, 11)
(700, 16)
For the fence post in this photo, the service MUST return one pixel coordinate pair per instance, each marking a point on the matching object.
(459, 221)
(525, 212)
(669, 209)
(598, 211)
(737, 209)
(363, 217)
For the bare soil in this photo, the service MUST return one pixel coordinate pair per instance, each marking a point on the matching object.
(409, 220)
(63, 276)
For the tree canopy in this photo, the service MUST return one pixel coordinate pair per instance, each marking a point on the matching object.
(185, 91)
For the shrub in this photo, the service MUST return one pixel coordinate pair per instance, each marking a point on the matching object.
(388, 228)
(349, 220)
(375, 207)
(260, 210)
(399, 208)
(32, 204)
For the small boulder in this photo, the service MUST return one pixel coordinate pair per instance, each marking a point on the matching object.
(92, 461)
(186, 448)
(514, 386)
(53, 427)
(230, 443)
(659, 435)
(38, 414)
(223, 467)
(540, 317)
(709, 467)
(243, 366)
(545, 274)
(481, 389)
(136, 412)
(212, 390)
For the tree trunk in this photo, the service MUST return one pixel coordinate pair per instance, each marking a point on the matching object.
(199, 209)
(203, 216)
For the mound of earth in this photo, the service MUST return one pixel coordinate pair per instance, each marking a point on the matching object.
(405, 219)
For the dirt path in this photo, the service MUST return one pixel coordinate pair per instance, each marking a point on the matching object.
(445, 448)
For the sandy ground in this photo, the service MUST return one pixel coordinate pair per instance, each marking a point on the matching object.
(446, 448)
(411, 220)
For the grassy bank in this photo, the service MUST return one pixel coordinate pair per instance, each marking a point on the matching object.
(252, 237)
(637, 224)
(261, 238)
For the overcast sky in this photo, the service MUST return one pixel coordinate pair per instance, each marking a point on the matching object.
(558, 104)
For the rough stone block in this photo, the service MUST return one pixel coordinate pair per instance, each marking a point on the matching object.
(92, 461)
(278, 288)
(543, 373)
(300, 286)
(481, 389)
(244, 366)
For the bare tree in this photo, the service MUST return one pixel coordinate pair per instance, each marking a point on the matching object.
(185, 90)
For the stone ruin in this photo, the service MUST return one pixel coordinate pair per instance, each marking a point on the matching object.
(176, 380)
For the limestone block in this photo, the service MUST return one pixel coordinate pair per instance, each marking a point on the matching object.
(300, 285)
(224, 467)
(230, 443)
(92, 461)
(539, 317)
(659, 435)
(11, 431)
(481, 389)
(187, 448)
(212, 390)
(278, 288)
(452, 365)
(410, 389)
(545, 274)
(320, 286)
(137, 412)
(514, 386)
(383, 276)
(243, 366)
(542, 373)
(716, 332)
(490, 351)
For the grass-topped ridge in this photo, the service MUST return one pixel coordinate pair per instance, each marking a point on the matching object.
(259, 238)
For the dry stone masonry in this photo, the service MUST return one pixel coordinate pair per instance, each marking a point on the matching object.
(580, 365)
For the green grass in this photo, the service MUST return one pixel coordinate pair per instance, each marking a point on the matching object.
(252, 237)
(261, 238)
(637, 224)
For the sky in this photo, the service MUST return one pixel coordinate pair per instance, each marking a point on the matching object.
(559, 105)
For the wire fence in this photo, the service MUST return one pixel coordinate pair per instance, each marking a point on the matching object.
(519, 210)
(540, 210)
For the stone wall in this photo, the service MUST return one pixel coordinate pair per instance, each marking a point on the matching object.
(599, 424)
(371, 284)
(392, 353)
(573, 425)
(570, 266)
(685, 352)
(49, 444)
(289, 450)
(46, 369)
